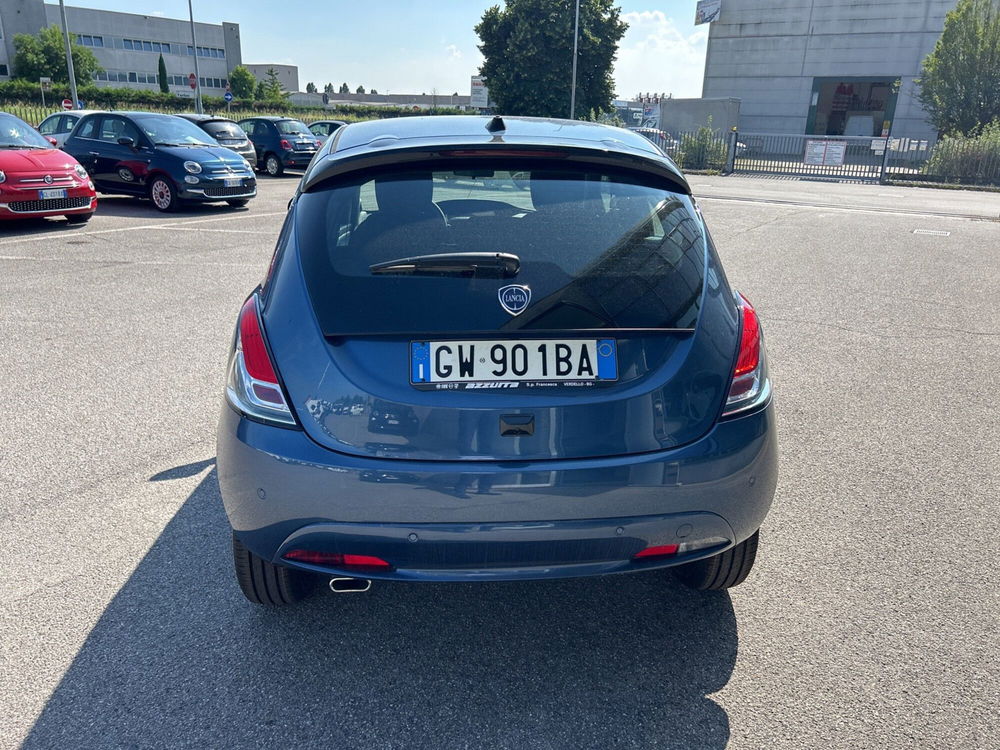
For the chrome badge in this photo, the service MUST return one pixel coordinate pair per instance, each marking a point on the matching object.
(48, 179)
(514, 298)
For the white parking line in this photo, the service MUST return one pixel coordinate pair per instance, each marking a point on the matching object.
(161, 225)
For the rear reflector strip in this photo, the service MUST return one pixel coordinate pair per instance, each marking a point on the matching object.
(337, 560)
(663, 550)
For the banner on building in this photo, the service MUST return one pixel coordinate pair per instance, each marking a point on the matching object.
(707, 11)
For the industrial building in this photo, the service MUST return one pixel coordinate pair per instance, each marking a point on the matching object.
(824, 67)
(288, 75)
(128, 45)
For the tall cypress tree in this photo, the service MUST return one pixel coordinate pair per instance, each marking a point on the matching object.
(161, 76)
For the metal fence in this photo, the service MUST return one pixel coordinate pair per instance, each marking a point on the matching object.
(843, 157)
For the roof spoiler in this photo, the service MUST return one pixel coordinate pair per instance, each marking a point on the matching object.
(337, 165)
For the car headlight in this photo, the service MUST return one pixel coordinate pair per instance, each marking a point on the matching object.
(3, 177)
(80, 171)
(246, 164)
(193, 167)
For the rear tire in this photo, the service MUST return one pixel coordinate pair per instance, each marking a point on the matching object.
(263, 582)
(239, 203)
(79, 218)
(273, 166)
(721, 571)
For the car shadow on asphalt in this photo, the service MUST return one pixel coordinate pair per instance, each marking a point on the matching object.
(128, 207)
(179, 658)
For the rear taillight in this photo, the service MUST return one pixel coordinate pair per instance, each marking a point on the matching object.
(319, 144)
(749, 387)
(285, 145)
(254, 388)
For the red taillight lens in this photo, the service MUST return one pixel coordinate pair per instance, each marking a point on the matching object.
(749, 386)
(255, 357)
(319, 144)
(663, 550)
(253, 387)
(750, 340)
(285, 145)
(337, 560)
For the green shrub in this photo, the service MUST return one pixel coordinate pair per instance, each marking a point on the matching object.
(703, 149)
(973, 159)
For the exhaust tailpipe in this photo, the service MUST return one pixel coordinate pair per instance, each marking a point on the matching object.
(350, 585)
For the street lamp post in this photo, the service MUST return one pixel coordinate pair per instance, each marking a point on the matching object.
(576, 39)
(197, 71)
(69, 57)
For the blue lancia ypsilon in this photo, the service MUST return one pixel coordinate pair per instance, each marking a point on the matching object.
(493, 349)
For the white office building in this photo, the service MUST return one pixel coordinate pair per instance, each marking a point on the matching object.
(128, 45)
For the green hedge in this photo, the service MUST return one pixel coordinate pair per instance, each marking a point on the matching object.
(25, 96)
(971, 160)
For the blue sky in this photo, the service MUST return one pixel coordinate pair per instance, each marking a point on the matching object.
(414, 46)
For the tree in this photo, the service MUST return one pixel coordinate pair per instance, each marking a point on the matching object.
(259, 92)
(960, 82)
(344, 88)
(272, 87)
(360, 90)
(328, 89)
(527, 48)
(242, 82)
(311, 88)
(45, 55)
(373, 92)
(161, 76)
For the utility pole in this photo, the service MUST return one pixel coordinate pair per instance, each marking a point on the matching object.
(69, 57)
(197, 71)
(576, 39)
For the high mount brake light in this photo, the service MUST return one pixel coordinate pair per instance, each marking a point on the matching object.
(254, 388)
(749, 387)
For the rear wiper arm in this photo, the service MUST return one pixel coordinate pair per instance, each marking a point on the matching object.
(483, 265)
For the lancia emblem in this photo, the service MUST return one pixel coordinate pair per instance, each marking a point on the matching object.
(48, 179)
(514, 298)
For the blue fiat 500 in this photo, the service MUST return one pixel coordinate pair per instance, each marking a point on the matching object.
(493, 349)
(161, 157)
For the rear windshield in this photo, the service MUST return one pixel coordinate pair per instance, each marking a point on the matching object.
(594, 250)
(291, 127)
(223, 129)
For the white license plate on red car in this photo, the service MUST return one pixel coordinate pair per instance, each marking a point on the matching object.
(233, 182)
(51, 194)
(438, 363)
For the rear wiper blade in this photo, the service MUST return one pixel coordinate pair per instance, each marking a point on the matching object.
(483, 265)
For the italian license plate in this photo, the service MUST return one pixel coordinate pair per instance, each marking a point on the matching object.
(233, 182)
(510, 364)
(50, 194)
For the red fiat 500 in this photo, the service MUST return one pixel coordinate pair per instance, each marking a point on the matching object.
(37, 179)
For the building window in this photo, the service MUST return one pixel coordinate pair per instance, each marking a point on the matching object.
(164, 47)
(147, 46)
(133, 78)
(127, 43)
(3, 70)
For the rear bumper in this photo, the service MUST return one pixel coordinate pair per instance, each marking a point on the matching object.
(495, 521)
(297, 159)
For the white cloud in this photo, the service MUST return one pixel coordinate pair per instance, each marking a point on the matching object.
(655, 56)
(453, 51)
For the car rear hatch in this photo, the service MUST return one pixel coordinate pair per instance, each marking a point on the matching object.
(465, 309)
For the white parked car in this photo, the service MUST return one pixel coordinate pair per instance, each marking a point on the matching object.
(60, 124)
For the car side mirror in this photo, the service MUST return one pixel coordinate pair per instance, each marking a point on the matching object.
(125, 141)
(52, 140)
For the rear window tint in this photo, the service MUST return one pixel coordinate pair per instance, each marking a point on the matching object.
(597, 250)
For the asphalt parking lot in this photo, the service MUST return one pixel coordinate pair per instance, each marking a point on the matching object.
(870, 621)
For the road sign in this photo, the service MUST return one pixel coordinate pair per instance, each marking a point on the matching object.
(228, 96)
(67, 104)
(192, 81)
(46, 83)
(81, 104)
